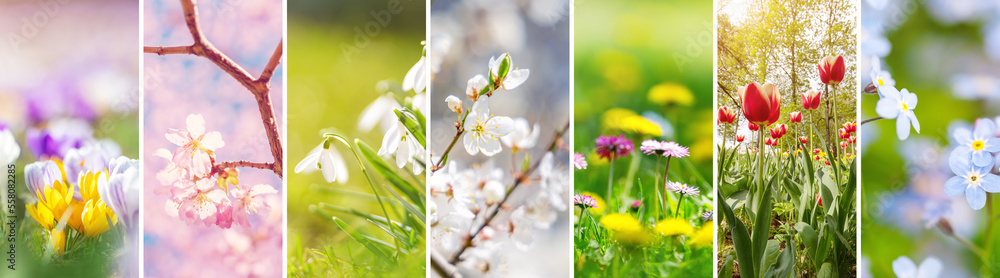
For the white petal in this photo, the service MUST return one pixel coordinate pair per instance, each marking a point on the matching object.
(909, 98)
(903, 127)
(887, 108)
(391, 139)
(904, 267)
(930, 268)
(515, 78)
(470, 144)
(328, 166)
(976, 197)
(402, 155)
(954, 186)
(177, 136)
(311, 159)
(412, 75)
(489, 146)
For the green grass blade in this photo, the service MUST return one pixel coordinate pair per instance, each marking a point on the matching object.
(362, 239)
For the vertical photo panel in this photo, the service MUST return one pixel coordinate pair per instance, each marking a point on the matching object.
(357, 138)
(643, 139)
(499, 157)
(786, 88)
(930, 179)
(213, 157)
(69, 145)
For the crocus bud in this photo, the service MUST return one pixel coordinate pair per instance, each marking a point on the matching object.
(761, 103)
(740, 138)
(727, 115)
(831, 69)
(454, 103)
(803, 140)
(41, 174)
(753, 127)
(795, 117)
(476, 84)
(810, 100)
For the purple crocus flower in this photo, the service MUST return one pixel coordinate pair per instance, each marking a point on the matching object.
(57, 138)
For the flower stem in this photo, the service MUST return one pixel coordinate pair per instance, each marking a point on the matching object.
(679, 201)
(611, 177)
(871, 120)
(665, 205)
(437, 166)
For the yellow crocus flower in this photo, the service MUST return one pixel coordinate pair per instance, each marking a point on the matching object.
(51, 205)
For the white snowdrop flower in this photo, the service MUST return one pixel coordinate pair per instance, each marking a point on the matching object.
(379, 112)
(493, 192)
(523, 136)
(483, 130)
(521, 229)
(420, 103)
(501, 72)
(553, 182)
(9, 149)
(327, 159)
(416, 77)
(400, 141)
(476, 84)
(454, 103)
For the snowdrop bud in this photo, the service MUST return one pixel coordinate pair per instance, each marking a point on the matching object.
(454, 103)
(493, 192)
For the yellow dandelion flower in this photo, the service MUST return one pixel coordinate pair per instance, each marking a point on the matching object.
(671, 93)
(702, 237)
(673, 226)
(628, 121)
(621, 223)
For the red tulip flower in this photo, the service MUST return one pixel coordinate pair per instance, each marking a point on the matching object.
(776, 132)
(817, 151)
(810, 100)
(740, 138)
(753, 127)
(844, 134)
(727, 115)
(831, 70)
(784, 129)
(795, 117)
(843, 145)
(851, 127)
(803, 140)
(761, 103)
(819, 200)
(769, 142)
(853, 139)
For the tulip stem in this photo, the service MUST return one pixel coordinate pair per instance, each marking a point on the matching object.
(871, 120)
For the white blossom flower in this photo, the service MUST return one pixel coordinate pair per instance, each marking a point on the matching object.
(505, 76)
(483, 130)
(898, 105)
(522, 228)
(327, 159)
(493, 192)
(476, 84)
(522, 136)
(9, 150)
(553, 182)
(903, 267)
(407, 149)
(454, 103)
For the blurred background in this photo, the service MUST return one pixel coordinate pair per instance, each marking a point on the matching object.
(536, 34)
(639, 61)
(66, 62)
(338, 52)
(948, 54)
(178, 85)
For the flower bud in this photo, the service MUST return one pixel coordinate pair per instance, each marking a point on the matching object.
(831, 69)
(454, 103)
(476, 84)
(795, 117)
(810, 100)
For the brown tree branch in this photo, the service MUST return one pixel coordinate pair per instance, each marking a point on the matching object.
(259, 87)
(441, 265)
(520, 179)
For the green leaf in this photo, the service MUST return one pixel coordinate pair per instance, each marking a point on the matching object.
(409, 207)
(809, 238)
(412, 124)
(770, 257)
(785, 266)
(727, 267)
(388, 172)
(827, 271)
(362, 239)
(762, 226)
(741, 241)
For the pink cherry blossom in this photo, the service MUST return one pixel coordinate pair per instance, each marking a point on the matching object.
(250, 200)
(197, 148)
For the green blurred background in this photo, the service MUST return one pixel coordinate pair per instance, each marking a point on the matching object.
(328, 87)
(635, 46)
